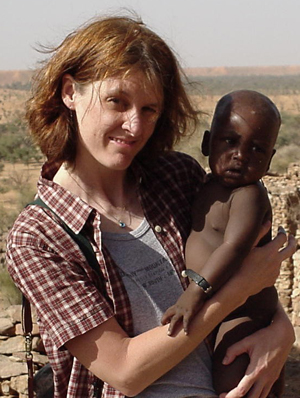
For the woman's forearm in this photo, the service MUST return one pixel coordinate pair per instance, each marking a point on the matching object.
(132, 364)
(283, 326)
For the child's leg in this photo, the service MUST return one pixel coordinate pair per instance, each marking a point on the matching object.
(227, 377)
(255, 314)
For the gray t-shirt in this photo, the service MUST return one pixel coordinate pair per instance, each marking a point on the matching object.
(152, 285)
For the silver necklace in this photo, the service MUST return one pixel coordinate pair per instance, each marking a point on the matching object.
(121, 223)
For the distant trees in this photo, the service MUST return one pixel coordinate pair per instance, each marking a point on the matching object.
(15, 144)
(287, 143)
(18, 86)
(269, 85)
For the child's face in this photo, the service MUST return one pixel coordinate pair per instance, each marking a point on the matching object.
(241, 147)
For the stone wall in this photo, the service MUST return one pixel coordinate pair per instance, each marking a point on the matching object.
(13, 367)
(284, 193)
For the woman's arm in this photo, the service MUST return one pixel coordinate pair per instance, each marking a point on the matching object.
(268, 350)
(131, 364)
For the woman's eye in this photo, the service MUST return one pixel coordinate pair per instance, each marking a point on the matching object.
(117, 104)
(150, 110)
(114, 100)
(151, 114)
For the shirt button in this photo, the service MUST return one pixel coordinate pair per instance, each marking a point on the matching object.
(158, 229)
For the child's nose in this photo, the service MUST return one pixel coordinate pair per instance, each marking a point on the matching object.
(241, 154)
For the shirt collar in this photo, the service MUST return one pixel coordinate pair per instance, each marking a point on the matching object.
(68, 207)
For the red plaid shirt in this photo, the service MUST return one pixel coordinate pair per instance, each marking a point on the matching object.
(50, 269)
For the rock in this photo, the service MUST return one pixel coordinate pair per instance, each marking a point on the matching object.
(297, 333)
(9, 368)
(7, 327)
(20, 385)
(3, 314)
(40, 359)
(5, 387)
(15, 312)
(13, 344)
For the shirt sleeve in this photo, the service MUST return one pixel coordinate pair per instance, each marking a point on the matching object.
(51, 271)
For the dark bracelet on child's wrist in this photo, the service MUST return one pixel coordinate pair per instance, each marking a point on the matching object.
(199, 280)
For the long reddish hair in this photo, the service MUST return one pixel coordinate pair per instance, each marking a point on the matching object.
(107, 47)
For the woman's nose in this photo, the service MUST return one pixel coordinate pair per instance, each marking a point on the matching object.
(132, 123)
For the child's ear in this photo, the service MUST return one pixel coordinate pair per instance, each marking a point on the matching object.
(205, 143)
(274, 151)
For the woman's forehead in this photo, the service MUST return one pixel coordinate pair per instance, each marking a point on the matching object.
(132, 83)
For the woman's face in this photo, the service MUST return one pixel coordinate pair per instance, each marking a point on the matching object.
(116, 117)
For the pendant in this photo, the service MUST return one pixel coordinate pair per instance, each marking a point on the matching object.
(122, 224)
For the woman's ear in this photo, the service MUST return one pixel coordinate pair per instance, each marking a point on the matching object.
(68, 91)
(205, 143)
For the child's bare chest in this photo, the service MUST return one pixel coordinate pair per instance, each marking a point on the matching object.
(211, 210)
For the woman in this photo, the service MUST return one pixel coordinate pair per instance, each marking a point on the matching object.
(106, 111)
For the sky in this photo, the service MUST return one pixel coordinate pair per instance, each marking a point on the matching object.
(203, 33)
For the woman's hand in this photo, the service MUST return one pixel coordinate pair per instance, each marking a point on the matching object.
(262, 266)
(268, 350)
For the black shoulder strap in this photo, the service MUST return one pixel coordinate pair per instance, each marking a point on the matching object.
(80, 239)
(87, 250)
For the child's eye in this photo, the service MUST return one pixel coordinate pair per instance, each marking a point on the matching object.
(229, 141)
(258, 149)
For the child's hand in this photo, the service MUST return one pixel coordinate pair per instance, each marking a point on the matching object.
(188, 304)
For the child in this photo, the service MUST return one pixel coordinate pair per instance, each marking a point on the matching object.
(226, 219)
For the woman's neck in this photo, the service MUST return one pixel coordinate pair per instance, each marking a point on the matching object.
(109, 185)
(113, 194)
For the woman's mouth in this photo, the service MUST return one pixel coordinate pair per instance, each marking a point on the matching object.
(122, 141)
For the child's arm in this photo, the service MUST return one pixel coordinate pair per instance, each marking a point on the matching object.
(188, 304)
(248, 210)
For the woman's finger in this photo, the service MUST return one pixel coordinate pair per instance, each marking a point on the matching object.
(277, 245)
(289, 249)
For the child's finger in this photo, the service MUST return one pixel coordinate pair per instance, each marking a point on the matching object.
(173, 322)
(166, 318)
(186, 322)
